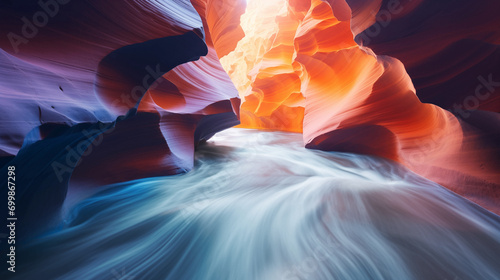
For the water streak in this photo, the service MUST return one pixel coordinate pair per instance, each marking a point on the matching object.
(260, 206)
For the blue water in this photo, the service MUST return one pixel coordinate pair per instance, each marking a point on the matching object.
(260, 206)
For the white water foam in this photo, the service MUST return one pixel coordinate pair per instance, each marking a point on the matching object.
(260, 206)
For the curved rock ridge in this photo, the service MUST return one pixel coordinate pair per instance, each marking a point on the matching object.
(57, 37)
(353, 99)
(222, 19)
(120, 63)
(451, 49)
(377, 112)
(32, 96)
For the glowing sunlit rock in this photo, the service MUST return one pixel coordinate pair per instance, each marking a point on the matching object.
(353, 99)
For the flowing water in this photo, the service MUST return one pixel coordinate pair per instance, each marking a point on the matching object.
(258, 205)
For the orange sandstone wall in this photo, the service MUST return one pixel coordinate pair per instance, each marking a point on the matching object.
(298, 68)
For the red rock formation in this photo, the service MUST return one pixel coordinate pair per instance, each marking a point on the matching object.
(451, 49)
(355, 100)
